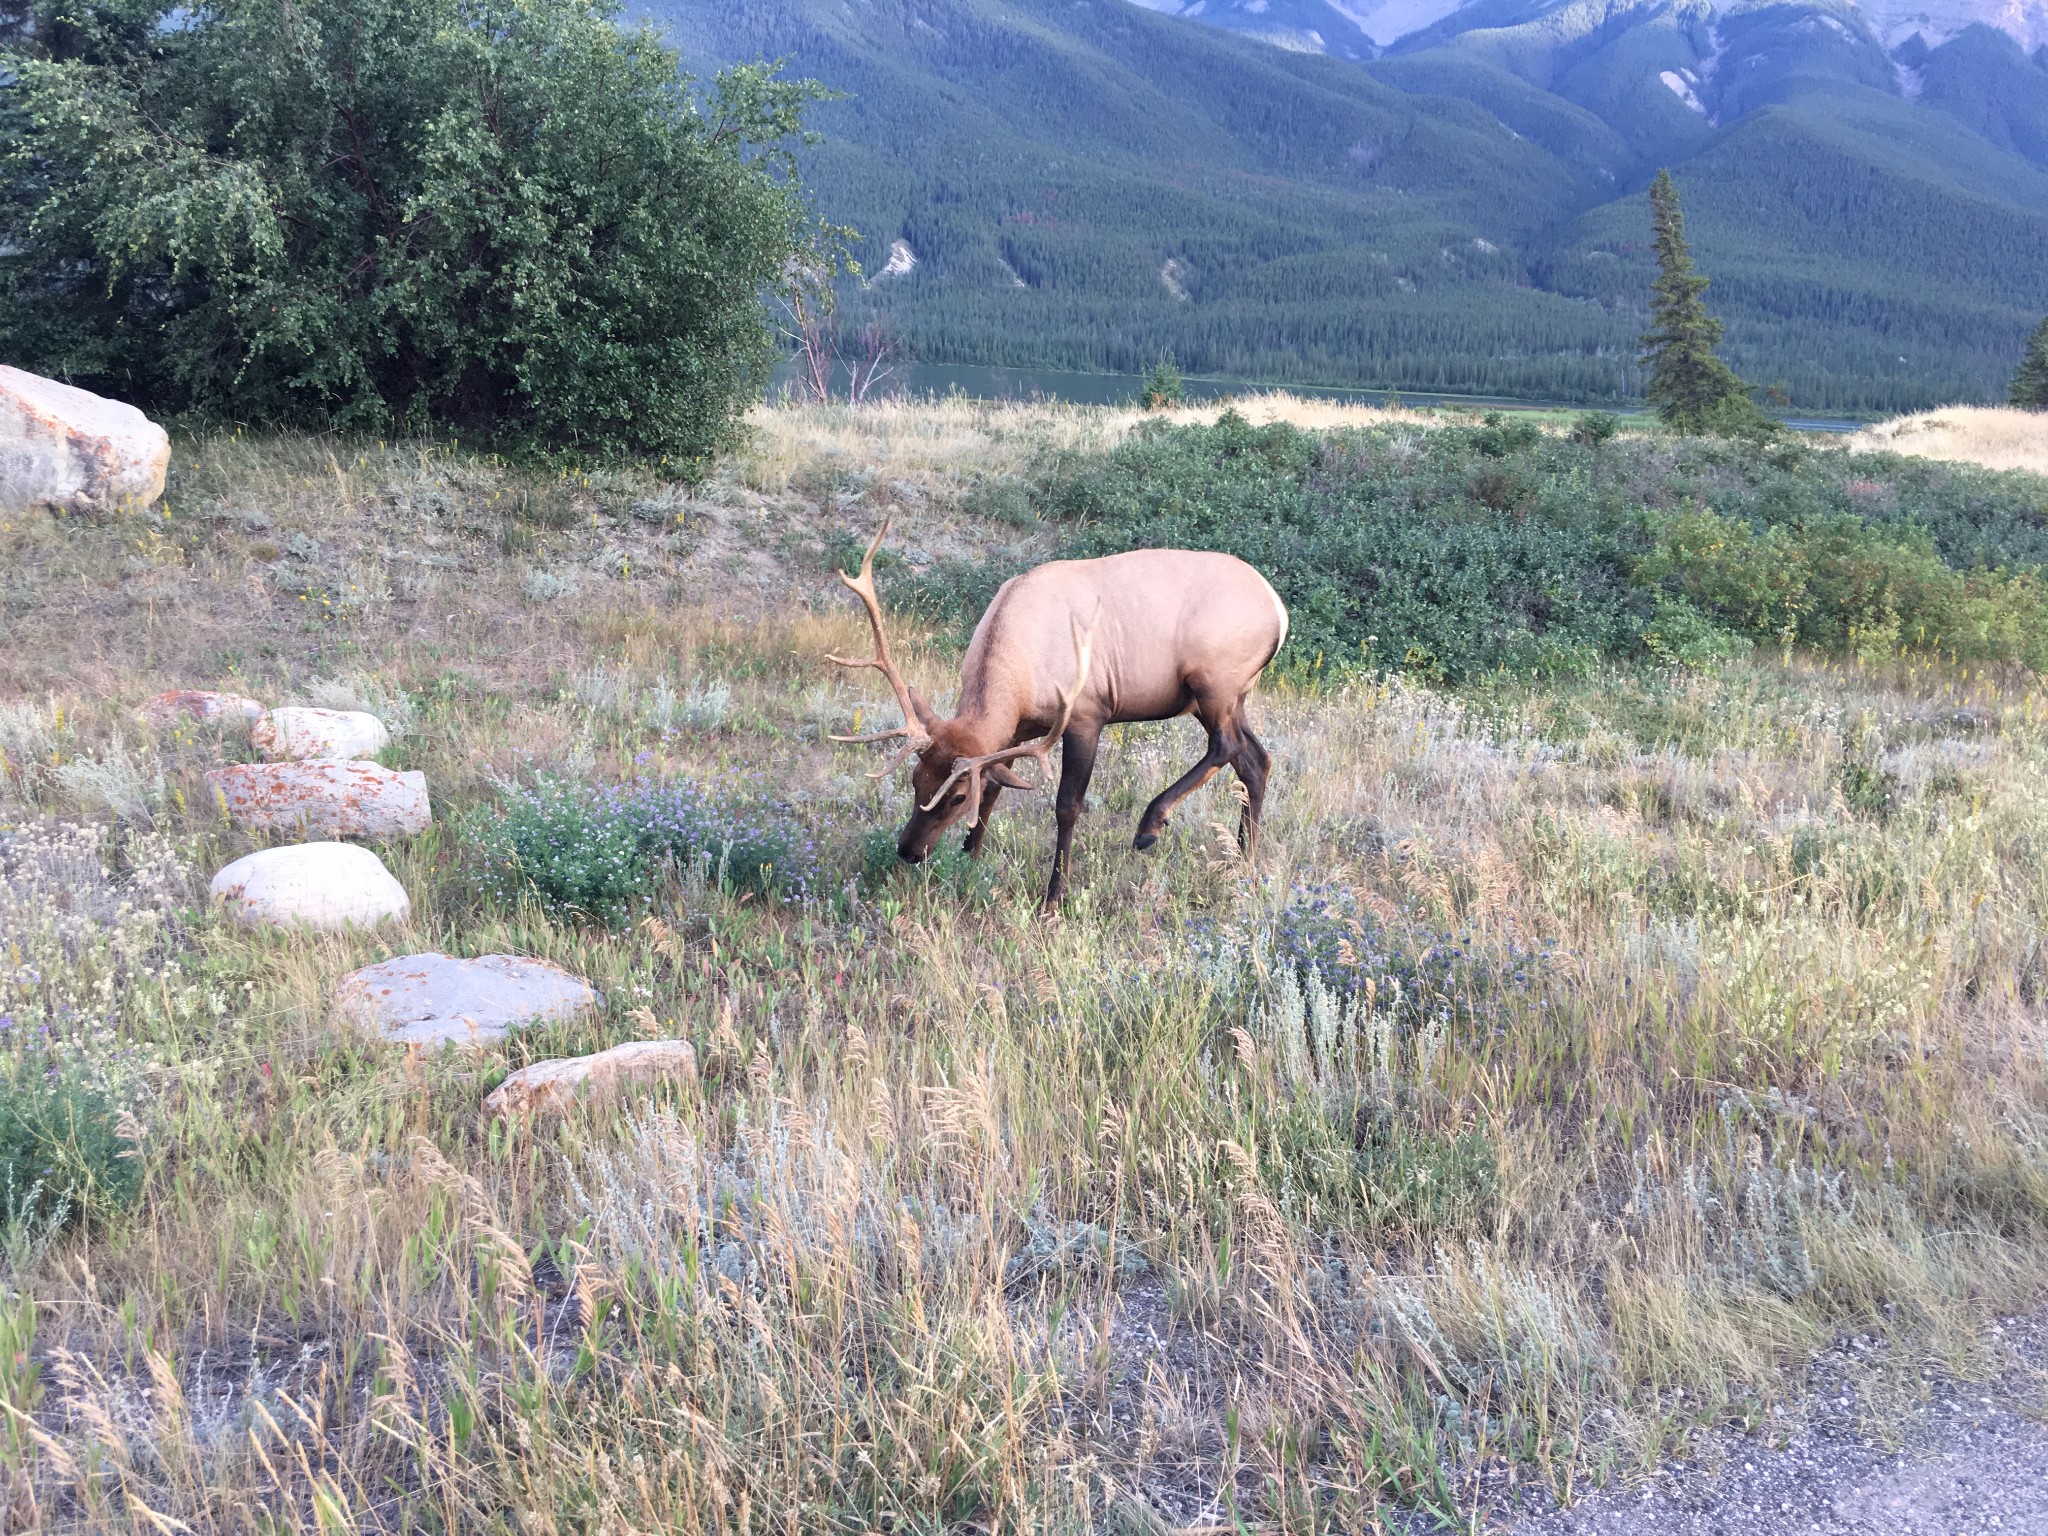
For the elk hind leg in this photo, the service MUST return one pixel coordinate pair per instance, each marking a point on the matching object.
(1153, 822)
(1252, 763)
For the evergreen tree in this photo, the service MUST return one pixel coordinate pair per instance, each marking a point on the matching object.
(1690, 387)
(2030, 384)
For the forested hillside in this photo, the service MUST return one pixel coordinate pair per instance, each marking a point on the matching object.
(1040, 182)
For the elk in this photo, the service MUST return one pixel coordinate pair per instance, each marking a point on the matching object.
(1065, 649)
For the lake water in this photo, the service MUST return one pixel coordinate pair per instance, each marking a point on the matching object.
(984, 383)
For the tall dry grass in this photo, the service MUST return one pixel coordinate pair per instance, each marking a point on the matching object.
(1697, 1019)
(1997, 437)
(963, 441)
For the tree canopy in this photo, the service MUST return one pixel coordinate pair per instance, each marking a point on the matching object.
(506, 218)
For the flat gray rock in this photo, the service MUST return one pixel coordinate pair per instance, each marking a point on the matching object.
(434, 1000)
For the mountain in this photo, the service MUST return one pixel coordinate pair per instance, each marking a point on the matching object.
(1422, 195)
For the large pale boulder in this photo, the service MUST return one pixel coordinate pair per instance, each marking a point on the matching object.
(431, 999)
(74, 451)
(323, 799)
(551, 1087)
(181, 704)
(333, 735)
(316, 885)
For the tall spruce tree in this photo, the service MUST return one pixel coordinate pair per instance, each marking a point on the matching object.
(1690, 387)
(2030, 384)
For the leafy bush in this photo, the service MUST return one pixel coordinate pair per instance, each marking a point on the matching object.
(1838, 584)
(1383, 557)
(62, 1151)
(1419, 1182)
(1596, 428)
(1162, 386)
(500, 217)
(1460, 551)
(600, 853)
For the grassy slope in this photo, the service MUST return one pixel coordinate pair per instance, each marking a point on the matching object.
(975, 1216)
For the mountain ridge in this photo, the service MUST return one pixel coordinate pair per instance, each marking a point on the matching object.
(1094, 184)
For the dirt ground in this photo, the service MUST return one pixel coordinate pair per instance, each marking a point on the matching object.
(1971, 1458)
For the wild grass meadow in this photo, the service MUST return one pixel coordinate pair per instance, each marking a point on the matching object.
(1641, 985)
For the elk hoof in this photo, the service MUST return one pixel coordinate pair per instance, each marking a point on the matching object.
(1144, 840)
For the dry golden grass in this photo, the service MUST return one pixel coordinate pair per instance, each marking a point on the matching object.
(977, 1221)
(964, 441)
(1996, 437)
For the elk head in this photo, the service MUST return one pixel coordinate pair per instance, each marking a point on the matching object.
(949, 768)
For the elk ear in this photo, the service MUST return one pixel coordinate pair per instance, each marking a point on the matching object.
(1006, 778)
(926, 715)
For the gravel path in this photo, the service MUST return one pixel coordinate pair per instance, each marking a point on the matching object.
(1989, 1475)
(1972, 1461)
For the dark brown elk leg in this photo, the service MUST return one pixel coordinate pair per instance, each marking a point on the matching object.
(1252, 763)
(1077, 766)
(1153, 822)
(989, 791)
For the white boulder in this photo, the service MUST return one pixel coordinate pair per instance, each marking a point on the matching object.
(333, 735)
(323, 799)
(552, 1087)
(318, 885)
(74, 451)
(431, 999)
(168, 709)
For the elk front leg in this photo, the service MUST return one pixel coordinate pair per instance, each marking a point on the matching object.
(1077, 766)
(1154, 820)
(989, 791)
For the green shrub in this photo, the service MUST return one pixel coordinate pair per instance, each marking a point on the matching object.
(1595, 429)
(62, 1154)
(1460, 551)
(600, 853)
(505, 218)
(1381, 561)
(1418, 1182)
(1842, 585)
(1162, 386)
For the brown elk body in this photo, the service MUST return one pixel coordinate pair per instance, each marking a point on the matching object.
(1073, 646)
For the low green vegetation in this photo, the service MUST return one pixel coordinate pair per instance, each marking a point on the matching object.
(1454, 552)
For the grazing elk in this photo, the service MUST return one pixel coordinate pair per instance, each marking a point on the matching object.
(1066, 649)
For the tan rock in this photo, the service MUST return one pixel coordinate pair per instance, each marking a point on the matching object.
(74, 451)
(315, 885)
(323, 799)
(553, 1087)
(168, 709)
(337, 735)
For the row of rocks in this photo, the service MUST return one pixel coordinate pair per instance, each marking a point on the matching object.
(316, 779)
(71, 451)
(315, 784)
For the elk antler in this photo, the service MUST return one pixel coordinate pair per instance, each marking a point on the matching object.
(971, 767)
(916, 737)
